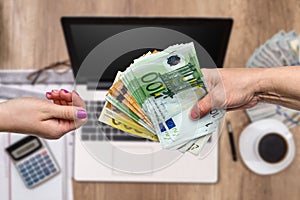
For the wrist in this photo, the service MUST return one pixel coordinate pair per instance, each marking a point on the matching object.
(268, 90)
(264, 81)
(255, 80)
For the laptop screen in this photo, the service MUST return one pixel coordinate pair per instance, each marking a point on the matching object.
(82, 34)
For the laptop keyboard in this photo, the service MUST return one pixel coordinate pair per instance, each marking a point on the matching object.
(94, 130)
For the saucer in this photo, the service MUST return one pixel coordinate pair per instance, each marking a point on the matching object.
(248, 148)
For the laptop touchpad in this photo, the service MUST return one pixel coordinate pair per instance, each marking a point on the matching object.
(128, 160)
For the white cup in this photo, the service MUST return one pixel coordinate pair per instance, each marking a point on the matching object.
(258, 161)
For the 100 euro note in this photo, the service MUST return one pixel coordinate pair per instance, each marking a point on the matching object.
(166, 85)
(115, 118)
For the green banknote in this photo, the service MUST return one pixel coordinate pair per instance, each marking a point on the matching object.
(166, 85)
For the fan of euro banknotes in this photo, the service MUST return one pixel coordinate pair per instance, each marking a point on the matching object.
(281, 50)
(152, 98)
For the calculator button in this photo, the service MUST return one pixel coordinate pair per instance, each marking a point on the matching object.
(48, 161)
(33, 176)
(38, 156)
(27, 179)
(25, 174)
(36, 180)
(46, 171)
(32, 159)
(29, 183)
(44, 153)
(51, 165)
(35, 164)
(31, 171)
(20, 166)
(39, 172)
(29, 167)
(26, 162)
(23, 170)
(40, 159)
(42, 176)
(53, 170)
(37, 167)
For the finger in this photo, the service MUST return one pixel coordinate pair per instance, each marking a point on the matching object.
(77, 100)
(65, 95)
(201, 108)
(63, 102)
(66, 126)
(60, 128)
(56, 102)
(67, 112)
(48, 95)
(55, 94)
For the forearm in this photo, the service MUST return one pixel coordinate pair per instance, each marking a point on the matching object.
(4, 116)
(280, 86)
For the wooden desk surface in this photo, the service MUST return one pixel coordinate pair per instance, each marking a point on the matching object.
(31, 37)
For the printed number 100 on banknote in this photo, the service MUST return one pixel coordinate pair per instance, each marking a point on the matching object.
(165, 84)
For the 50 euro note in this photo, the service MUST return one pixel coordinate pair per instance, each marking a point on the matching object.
(124, 109)
(120, 93)
(115, 118)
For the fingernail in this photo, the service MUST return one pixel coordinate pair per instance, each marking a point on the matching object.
(49, 93)
(194, 115)
(55, 91)
(76, 93)
(66, 91)
(81, 114)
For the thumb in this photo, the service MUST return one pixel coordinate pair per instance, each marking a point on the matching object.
(68, 112)
(201, 108)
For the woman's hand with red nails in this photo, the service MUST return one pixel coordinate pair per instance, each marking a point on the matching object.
(43, 118)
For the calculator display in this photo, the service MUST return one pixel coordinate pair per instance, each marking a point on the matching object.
(24, 147)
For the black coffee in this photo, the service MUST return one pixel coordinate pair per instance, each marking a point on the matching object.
(272, 148)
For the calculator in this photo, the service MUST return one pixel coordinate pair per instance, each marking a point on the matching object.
(33, 160)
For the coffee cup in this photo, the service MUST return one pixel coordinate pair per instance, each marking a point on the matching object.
(267, 146)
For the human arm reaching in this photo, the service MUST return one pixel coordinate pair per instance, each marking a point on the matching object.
(42, 118)
(241, 88)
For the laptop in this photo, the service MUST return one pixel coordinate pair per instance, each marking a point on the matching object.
(83, 35)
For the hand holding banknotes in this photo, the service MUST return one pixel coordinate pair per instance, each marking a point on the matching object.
(241, 88)
(42, 118)
(153, 96)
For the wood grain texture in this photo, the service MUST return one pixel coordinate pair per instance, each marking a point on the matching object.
(31, 37)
